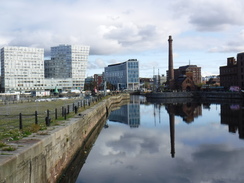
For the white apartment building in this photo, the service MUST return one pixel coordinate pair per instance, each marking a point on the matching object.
(68, 61)
(22, 68)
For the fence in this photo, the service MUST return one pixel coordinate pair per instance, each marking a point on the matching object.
(13, 119)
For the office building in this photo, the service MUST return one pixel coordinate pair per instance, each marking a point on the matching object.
(123, 75)
(22, 68)
(68, 61)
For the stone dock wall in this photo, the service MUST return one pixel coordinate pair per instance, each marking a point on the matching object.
(42, 157)
(219, 95)
(196, 94)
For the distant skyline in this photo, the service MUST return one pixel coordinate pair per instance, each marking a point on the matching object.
(205, 32)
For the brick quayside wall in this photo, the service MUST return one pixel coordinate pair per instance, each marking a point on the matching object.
(42, 158)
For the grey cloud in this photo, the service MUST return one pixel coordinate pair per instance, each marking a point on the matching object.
(131, 34)
(135, 143)
(211, 15)
(97, 64)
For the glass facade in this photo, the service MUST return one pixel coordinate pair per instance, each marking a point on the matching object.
(123, 75)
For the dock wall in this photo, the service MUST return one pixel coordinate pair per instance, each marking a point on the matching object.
(42, 157)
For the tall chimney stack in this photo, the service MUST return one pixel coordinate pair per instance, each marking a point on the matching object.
(171, 69)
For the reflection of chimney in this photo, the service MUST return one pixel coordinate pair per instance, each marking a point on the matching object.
(172, 133)
(171, 70)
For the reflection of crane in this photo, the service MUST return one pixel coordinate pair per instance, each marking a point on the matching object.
(154, 114)
(157, 106)
(159, 111)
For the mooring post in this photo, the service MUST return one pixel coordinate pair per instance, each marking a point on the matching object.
(36, 120)
(56, 113)
(20, 121)
(62, 111)
(47, 119)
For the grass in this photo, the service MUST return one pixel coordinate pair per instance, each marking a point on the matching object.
(9, 117)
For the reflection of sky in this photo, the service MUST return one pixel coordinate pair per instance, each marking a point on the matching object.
(205, 152)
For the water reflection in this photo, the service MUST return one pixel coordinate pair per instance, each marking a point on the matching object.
(192, 133)
(233, 116)
(128, 114)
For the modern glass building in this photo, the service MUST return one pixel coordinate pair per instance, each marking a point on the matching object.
(22, 68)
(68, 61)
(123, 75)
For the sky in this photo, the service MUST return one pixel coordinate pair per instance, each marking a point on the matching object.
(205, 32)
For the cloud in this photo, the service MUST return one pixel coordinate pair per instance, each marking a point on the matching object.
(98, 63)
(130, 28)
(207, 15)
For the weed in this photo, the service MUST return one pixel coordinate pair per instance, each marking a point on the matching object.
(5, 154)
(9, 148)
(2, 144)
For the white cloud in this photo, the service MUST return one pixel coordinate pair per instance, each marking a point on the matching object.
(114, 27)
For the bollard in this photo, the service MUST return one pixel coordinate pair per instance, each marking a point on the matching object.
(36, 121)
(20, 121)
(65, 114)
(76, 109)
(56, 113)
(62, 111)
(47, 119)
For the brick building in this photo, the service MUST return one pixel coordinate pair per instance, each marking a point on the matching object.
(233, 73)
(191, 71)
(98, 81)
(228, 73)
(240, 69)
(187, 77)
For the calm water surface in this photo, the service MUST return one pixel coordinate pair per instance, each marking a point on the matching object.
(168, 142)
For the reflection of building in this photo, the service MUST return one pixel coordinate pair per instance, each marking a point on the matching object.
(128, 114)
(232, 115)
(123, 75)
(188, 111)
